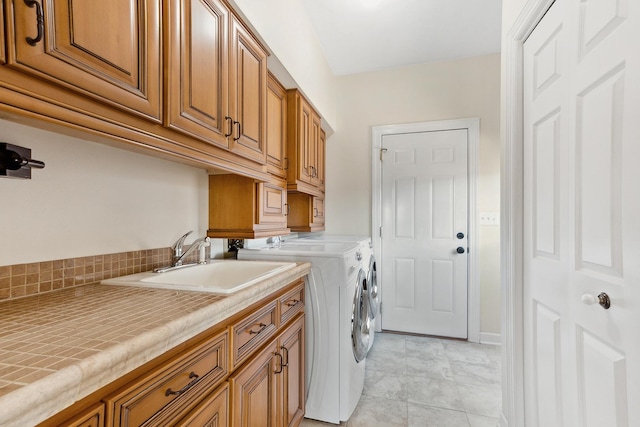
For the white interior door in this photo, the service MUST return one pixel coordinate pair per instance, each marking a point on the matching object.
(581, 212)
(424, 207)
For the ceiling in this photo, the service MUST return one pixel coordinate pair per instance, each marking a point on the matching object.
(367, 35)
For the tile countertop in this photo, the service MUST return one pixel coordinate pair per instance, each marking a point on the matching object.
(59, 347)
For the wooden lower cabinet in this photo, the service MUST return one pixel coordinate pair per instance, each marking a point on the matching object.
(246, 371)
(269, 390)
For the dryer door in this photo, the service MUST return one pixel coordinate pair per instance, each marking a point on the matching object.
(360, 319)
(372, 289)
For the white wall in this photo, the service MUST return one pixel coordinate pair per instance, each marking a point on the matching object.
(427, 92)
(93, 199)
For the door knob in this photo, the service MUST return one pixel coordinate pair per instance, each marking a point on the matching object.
(460, 250)
(460, 235)
(602, 299)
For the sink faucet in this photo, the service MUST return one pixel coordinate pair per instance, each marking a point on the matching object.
(177, 249)
(179, 254)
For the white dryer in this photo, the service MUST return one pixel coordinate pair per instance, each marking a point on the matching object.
(368, 265)
(336, 317)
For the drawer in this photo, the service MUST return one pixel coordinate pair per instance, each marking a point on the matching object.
(291, 303)
(91, 417)
(171, 390)
(212, 411)
(252, 331)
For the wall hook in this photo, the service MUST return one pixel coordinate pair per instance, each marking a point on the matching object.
(16, 161)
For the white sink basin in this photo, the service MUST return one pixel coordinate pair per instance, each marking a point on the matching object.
(218, 276)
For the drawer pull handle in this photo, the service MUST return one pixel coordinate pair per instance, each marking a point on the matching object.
(260, 325)
(195, 379)
(292, 302)
(39, 19)
(286, 352)
(281, 365)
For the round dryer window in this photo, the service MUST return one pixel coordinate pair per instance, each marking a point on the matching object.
(360, 319)
(372, 289)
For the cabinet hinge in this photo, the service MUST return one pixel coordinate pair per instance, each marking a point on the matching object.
(382, 151)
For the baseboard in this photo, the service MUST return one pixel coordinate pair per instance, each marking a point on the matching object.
(490, 338)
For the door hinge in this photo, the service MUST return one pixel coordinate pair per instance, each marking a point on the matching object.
(380, 307)
(382, 151)
(381, 232)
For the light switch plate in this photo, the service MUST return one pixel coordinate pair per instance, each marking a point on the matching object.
(489, 218)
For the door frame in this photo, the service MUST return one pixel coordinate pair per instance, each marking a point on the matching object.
(472, 125)
(511, 214)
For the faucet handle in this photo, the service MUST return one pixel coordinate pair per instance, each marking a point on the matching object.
(177, 246)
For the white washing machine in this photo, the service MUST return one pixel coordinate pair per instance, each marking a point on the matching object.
(336, 315)
(369, 267)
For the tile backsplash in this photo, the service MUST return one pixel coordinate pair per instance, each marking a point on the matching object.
(21, 280)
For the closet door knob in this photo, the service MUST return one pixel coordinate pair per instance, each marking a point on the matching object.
(602, 299)
(460, 250)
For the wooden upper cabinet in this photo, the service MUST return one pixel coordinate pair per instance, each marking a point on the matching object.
(304, 130)
(247, 94)
(197, 63)
(276, 127)
(243, 208)
(106, 50)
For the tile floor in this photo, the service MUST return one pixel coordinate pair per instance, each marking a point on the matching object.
(418, 381)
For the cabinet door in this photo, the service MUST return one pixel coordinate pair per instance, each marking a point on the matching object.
(3, 58)
(293, 376)
(197, 61)
(253, 391)
(314, 138)
(272, 203)
(276, 127)
(304, 140)
(320, 161)
(108, 50)
(318, 211)
(248, 93)
(211, 412)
